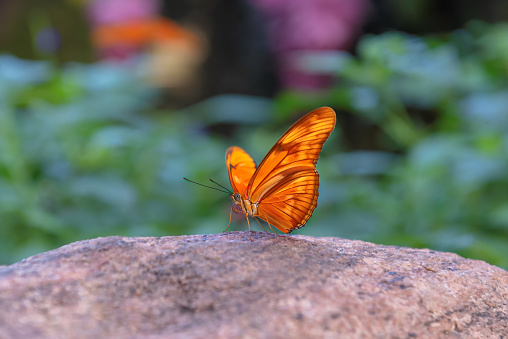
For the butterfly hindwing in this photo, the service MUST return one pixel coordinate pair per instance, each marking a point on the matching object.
(291, 202)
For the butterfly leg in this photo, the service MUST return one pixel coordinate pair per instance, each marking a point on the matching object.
(277, 234)
(260, 224)
(230, 214)
(248, 224)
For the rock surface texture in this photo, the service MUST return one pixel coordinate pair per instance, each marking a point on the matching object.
(226, 286)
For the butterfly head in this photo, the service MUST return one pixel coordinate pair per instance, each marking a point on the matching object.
(236, 197)
(245, 204)
(237, 201)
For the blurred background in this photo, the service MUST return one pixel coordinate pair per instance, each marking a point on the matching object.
(106, 104)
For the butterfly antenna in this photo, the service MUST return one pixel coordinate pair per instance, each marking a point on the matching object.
(214, 188)
(216, 183)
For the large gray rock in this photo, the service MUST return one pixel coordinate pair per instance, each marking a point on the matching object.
(224, 286)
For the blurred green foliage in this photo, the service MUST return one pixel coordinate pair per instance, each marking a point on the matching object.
(81, 156)
(85, 153)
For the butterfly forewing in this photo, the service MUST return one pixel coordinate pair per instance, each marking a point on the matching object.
(297, 150)
(241, 167)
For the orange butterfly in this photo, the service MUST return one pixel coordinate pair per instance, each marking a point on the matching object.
(283, 189)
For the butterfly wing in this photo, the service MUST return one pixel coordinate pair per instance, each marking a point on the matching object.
(285, 184)
(241, 167)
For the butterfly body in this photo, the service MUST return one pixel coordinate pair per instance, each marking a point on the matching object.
(283, 189)
(245, 204)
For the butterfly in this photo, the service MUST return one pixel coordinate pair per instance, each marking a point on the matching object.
(283, 189)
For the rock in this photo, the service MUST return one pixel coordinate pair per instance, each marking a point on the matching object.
(224, 286)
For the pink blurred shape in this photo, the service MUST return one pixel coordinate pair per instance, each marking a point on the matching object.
(101, 12)
(310, 25)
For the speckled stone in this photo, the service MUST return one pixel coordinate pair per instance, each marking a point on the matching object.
(226, 286)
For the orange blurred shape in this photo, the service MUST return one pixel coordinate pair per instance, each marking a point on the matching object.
(138, 34)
